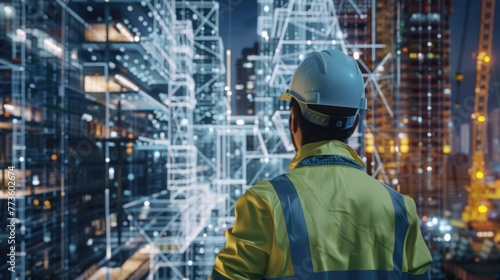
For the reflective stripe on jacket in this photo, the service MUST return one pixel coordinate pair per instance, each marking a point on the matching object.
(325, 219)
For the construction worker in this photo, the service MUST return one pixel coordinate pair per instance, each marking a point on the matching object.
(326, 218)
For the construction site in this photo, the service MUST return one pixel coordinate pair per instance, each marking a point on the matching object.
(126, 142)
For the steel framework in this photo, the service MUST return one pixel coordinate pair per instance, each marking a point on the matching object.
(291, 29)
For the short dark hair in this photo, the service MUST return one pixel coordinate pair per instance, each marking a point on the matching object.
(313, 133)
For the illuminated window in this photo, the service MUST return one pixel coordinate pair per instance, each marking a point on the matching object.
(117, 33)
(96, 33)
(98, 84)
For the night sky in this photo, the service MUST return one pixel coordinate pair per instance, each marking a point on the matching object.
(468, 68)
(238, 28)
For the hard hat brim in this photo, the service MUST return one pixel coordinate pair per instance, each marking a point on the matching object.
(285, 96)
(288, 95)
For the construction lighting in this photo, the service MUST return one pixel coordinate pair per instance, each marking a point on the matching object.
(370, 141)
(52, 47)
(487, 58)
(482, 209)
(240, 122)
(355, 55)
(481, 119)
(447, 237)
(87, 117)
(125, 82)
(111, 172)
(404, 147)
(21, 35)
(446, 149)
(35, 181)
(480, 174)
(8, 107)
(8, 10)
(123, 30)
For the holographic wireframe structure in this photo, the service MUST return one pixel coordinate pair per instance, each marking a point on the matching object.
(291, 29)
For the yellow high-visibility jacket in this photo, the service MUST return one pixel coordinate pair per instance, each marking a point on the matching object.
(325, 219)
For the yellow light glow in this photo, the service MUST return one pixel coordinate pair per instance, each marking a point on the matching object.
(36, 202)
(482, 209)
(479, 174)
(481, 119)
(487, 58)
(369, 149)
(446, 149)
(404, 149)
(369, 143)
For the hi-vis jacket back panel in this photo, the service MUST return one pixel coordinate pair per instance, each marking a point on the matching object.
(325, 219)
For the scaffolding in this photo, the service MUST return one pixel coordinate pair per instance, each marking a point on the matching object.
(290, 29)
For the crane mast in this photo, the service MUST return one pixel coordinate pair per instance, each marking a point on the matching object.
(479, 191)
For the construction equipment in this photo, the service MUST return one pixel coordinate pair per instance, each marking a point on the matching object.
(482, 191)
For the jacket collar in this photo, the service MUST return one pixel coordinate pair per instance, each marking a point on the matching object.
(331, 147)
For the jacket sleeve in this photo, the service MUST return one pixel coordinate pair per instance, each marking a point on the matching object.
(248, 243)
(418, 257)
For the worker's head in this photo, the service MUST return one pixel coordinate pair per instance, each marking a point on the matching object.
(326, 94)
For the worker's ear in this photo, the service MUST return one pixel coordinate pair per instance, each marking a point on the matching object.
(295, 131)
(294, 120)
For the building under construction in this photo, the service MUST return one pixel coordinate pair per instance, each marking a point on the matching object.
(116, 122)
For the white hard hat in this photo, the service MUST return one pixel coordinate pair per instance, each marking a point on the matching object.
(328, 78)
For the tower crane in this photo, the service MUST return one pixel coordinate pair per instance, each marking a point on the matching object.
(482, 192)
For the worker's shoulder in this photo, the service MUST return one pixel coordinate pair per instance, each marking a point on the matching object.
(408, 202)
(263, 189)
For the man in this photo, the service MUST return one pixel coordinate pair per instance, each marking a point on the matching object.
(326, 218)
